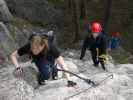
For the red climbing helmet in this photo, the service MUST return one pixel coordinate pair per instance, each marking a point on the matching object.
(116, 34)
(96, 27)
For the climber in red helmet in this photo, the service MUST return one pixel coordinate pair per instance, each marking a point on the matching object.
(96, 42)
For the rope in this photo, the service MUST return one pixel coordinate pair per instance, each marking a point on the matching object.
(109, 76)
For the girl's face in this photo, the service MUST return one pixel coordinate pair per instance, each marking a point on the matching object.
(37, 48)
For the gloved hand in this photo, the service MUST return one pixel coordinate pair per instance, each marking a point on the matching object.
(97, 63)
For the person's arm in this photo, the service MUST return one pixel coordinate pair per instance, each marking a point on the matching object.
(59, 59)
(104, 45)
(119, 42)
(84, 47)
(14, 58)
(20, 52)
(61, 63)
(109, 46)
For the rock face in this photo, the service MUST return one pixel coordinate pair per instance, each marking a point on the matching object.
(4, 12)
(118, 88)
(36, 11)
(6, 41)
(11, 37)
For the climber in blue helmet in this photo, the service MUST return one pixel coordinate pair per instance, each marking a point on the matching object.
(114, 42)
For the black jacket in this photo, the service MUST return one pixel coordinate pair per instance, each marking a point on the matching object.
(89, 42)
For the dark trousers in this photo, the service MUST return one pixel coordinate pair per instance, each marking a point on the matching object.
(46, 70)
(97, 60)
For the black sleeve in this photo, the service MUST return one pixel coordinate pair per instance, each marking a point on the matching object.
(104, 45)
(24, 50)
(84, 47)
(54, 51)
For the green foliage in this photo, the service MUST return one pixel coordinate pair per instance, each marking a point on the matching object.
(57, 3)
(126, 34)
(120, 56)
(122, 59)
